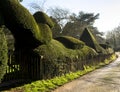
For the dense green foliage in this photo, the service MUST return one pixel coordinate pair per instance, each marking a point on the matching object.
(108, 49)
(41, 17)
(36, 50)
(45, 24)
(71, 42)
(90, 40)
(3, 54)
(56, 50)
(46, 33)
(21, 23)
(57, 59)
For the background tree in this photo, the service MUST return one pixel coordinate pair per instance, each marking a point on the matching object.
(78, 23)
(98, 35)
(38, 6)
(113, 37)
(70, 24)
(60, 15)
(56, 30)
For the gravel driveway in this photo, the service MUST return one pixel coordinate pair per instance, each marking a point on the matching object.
(106, 79)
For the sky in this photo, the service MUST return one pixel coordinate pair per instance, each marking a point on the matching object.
(109, 10)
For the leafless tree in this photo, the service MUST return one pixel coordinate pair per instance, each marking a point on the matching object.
(38, 6)
(61, 15)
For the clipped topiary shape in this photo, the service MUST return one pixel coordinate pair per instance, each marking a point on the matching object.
(90, 40)
(21, 23)
(3, 54)
(45, 23)
(56, 59)
(46, 33)
(41, 17)
(70, 42)
(52, 50)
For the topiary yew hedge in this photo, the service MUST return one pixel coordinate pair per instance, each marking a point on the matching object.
(57, 59)
(45, 24)
(70, 42)
(3, 54)
(39, 55)
(21, 23)
(41, 17)
(90, 41)
(46, 33)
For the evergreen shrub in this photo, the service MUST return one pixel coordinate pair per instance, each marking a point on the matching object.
(90, 41)
(21, 23)
(41, 17)
(70, 42)
(3, 54)
(58, 60)
(45, 24)
(46, 33)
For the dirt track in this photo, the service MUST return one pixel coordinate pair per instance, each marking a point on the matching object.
(106, 79)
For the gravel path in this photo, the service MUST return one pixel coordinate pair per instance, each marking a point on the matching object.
(106, 79)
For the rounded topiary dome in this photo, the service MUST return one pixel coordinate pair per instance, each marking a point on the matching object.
(3, 54)
(45, 23)
(41, 17)
(46, 33)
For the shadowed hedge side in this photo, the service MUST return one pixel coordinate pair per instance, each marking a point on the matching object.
(3, 54)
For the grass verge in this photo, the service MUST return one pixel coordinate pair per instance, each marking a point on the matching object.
(50, 84)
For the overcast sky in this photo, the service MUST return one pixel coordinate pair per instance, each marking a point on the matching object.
(109, 10)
